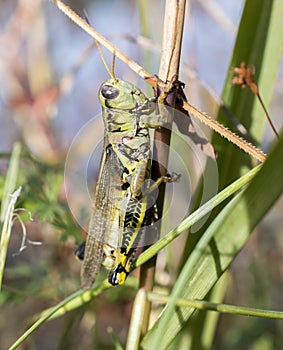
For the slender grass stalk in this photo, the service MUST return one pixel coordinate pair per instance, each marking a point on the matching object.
(11, 179)
(6, 231)
(73, 301)
(135, 329)
(9, 200)
(115, 339)
(223, 308)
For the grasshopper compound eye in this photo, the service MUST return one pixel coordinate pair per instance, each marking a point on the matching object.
(109, 92)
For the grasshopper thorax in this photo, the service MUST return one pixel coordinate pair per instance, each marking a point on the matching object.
(121, 95)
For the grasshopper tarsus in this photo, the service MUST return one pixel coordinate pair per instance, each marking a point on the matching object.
(118, 275)
(174, 177)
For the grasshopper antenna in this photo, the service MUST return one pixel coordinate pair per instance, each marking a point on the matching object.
(111, 73)
(113, 65)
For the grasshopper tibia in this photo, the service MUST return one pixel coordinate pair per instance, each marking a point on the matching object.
(162, 179)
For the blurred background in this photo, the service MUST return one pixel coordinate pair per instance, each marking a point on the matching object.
(48, 92)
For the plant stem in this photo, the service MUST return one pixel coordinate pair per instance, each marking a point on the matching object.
(224, 308)
(169, 68)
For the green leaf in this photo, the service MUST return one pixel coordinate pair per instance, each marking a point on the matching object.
(218, 247)
(258, 43)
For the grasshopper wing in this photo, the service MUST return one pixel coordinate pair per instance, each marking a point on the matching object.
(105, 226)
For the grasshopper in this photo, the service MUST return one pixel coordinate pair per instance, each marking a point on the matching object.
(120, 200)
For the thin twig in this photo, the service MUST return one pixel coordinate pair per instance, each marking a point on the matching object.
(169, 68)
(255, 152)
(106, 43)
(267, 115)
(244, 76)
(224, 132)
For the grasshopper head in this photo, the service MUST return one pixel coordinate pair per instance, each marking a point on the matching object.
(119, 94)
